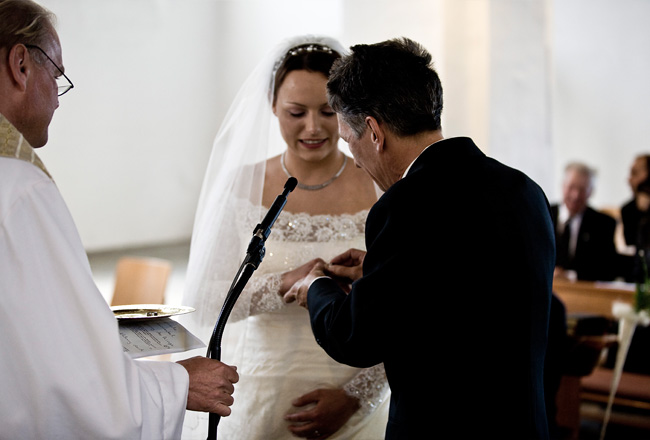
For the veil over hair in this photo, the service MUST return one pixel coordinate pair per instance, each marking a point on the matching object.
(249, 135)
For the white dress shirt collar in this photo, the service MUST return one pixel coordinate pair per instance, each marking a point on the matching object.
(408, 168)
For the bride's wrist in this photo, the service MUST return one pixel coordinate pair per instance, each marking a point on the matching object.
(285, 284)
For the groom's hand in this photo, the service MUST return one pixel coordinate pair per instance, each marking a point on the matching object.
(298, 292)
(347, 266)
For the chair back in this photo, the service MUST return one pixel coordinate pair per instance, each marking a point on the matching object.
(140, 280)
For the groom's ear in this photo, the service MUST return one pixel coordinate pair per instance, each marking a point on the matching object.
(377, 134)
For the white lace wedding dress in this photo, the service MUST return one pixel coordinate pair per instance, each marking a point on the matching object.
(278, 358)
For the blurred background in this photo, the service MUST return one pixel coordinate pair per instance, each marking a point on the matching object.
(536, 83)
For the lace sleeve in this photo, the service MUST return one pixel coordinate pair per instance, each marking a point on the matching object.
(369, 386)
(264, 293)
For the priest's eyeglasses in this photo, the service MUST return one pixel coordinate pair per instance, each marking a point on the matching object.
(63, 82)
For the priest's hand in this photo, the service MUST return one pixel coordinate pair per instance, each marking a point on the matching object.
(211, 385)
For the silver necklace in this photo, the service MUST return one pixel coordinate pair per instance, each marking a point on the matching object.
(320, 185)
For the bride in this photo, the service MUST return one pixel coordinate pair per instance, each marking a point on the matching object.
(288, 385)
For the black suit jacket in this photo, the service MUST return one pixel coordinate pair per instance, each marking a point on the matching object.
(595, 254)
(631, 216)
(454, 298)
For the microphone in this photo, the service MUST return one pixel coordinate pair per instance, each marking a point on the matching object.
(263, 229)
(254, 256)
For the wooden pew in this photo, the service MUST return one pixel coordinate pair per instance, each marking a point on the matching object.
(596, 298)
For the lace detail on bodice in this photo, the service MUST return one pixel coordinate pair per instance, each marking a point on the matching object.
(296, 239)
(303, 227)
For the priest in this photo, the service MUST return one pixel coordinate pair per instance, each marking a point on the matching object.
(63, 373)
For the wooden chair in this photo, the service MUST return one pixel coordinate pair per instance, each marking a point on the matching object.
(584, 357)
(140, 280)
(632, 397)
(592, 385)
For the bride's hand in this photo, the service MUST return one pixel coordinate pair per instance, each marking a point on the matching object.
(332, 409)
(291, 277)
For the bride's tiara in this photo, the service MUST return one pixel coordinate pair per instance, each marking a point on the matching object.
(308, 48)
(299, 50)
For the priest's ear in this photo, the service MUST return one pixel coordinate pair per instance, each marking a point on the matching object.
(19, 66)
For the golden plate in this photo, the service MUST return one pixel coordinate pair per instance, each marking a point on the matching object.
(134, 312)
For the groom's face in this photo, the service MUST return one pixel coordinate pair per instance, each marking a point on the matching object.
(366, 155)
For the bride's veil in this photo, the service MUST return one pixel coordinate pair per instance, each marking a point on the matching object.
(248, 136)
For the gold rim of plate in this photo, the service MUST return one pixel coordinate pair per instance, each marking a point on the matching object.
(148, 311)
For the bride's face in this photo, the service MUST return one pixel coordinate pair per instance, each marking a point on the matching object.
(307, 122)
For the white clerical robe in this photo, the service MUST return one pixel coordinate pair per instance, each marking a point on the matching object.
(63, 373)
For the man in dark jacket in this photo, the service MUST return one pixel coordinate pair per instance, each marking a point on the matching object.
(585, 237)
(433, 279)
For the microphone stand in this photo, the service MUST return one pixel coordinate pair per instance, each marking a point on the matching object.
(254, 256)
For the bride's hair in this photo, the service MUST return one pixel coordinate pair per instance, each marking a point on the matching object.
(312, 57)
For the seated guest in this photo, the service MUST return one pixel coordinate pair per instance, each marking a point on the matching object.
(641, 225)
(631, 212)
(63, 372)
(634, 216)
(584, 237)
(638, 230)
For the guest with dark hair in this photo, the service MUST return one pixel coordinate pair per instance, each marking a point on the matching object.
(637, 229)
(635, 215)
(631, 212)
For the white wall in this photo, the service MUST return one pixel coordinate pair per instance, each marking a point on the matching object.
(128, 143)
(153, 78)
(520, 88)
(601, 89)
(534, 82)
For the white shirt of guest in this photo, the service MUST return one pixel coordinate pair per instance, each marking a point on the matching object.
(576, 221)
(63, 373)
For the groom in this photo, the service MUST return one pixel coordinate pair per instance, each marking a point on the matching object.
(462, 340)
